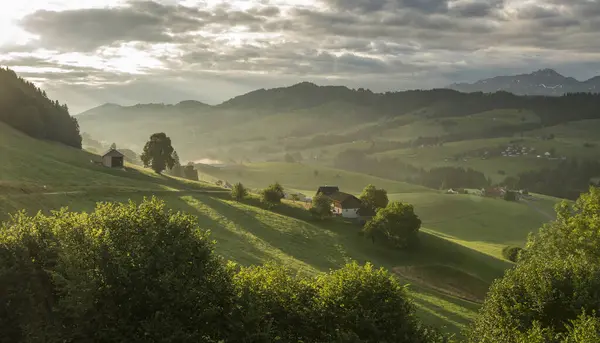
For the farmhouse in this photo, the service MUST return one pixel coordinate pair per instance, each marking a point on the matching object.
(113, 159)
(345, 205)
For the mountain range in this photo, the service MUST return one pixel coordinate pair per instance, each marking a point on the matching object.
(546, 82)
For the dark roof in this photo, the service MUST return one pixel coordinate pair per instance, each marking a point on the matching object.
(346, 200)
(113, 152)
(328, 190)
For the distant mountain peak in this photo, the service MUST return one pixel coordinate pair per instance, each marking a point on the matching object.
(546, 72)
(546, 82)
(191, 104)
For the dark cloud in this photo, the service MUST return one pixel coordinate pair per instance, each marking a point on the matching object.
(147, 21)
(477, 8)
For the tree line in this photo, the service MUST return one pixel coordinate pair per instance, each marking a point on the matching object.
(28, 109)
(439, 103)
(567, 180)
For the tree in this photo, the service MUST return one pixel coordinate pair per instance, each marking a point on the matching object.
(573, 233)
(158, 153)
(548, 293)
(155, 277)
(374, 198)
(316, 173)
(397, 223)
(273, 194)
(321, 207)
(238, 191)
(555, 281)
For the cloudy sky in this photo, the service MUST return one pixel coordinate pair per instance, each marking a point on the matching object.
(89, 52)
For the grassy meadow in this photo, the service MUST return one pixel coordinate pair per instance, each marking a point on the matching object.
(461, 238)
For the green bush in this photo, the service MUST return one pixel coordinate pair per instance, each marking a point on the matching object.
(272, 195)
(124, 273)
(354, 304)
(511, 253)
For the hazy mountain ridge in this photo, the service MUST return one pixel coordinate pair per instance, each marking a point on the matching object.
(546, 82)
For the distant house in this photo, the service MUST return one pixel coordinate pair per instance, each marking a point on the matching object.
(113, 159)
(327, 190)
(345, 205)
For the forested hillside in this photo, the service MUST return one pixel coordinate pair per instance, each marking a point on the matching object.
(28, 109)
(427, 137)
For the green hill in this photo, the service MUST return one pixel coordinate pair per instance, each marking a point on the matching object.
(30, 165)
(448, 279)
(418, 129)
(304, 177)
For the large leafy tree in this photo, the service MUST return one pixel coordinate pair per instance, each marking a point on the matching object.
(158, 153)
(397, 223)
(123, 273)
(374, 198)
(555, 282)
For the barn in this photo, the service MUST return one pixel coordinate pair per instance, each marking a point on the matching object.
(113, 159)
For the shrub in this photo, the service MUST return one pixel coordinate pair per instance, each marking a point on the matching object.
(238, 191)
(273, 194)
(124, 273)
(511, 253)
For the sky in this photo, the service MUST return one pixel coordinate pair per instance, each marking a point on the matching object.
(86, 53)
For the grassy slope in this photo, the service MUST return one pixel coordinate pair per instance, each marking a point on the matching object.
(302, 176)
(29, 165)
(483, 224)
(447, 280)
(442, 273)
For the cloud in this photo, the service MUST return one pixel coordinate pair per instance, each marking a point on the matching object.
(379, 43)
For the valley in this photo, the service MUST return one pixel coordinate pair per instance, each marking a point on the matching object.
(452, 157)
